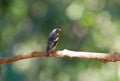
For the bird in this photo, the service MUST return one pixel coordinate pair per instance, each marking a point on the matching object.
(52, 41)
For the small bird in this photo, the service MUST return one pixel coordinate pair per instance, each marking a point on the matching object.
(52, 40)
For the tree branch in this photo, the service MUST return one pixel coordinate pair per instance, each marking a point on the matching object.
(105, 57)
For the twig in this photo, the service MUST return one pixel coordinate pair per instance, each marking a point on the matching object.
(105, 57)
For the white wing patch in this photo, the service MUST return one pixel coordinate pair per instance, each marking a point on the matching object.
(56, 39)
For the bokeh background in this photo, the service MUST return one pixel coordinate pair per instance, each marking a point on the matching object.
(87, 25)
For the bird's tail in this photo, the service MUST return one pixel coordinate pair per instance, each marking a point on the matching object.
(47, 52)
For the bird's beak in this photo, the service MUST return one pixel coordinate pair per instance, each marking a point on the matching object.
(59, 29)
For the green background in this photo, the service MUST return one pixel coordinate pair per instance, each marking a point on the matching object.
(87, 25)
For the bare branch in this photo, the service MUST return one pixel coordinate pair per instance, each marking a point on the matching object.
(105, 57)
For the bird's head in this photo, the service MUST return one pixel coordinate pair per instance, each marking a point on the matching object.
(57, 31)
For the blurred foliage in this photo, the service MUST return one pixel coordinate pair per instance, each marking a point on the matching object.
(87, 25)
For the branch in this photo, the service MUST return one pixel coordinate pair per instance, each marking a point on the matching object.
(105, 57)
